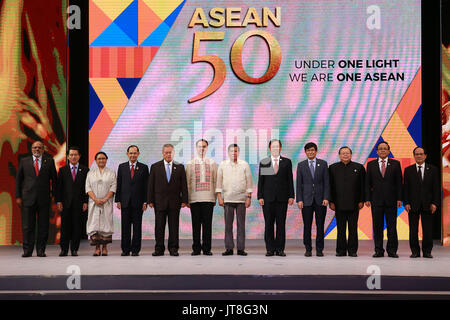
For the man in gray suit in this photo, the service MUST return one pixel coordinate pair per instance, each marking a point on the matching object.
(313, 194)
(35, 180)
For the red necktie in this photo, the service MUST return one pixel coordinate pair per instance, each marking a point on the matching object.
(132, 171)
(383, 168)
(74, 173)
(275, 165)
(36, 167)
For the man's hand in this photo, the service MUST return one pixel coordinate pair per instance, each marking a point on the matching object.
(325, 203)
(291, 201)
(367, 203)
(19, 202)
(332, 206)
(433, 208)
(248, 202)
(59, 205)
(188, 205)
(119, 206)
(360, 205)
(261, 202)
(399, 204)
(407, 207)
(85, 207)
(221, 202)
(300, 205)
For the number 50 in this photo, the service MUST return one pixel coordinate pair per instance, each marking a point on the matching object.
(235, 59)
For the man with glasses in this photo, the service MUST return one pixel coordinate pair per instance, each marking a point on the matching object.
(347, 198)
(384, 196)
(167, 194)
(313, 194)
(35, 180)
(421, 192)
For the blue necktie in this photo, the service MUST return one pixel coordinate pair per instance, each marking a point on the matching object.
(168, 172)
(311, 167)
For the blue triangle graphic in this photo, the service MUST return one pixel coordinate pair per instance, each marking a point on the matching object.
(332, 225)
(95, 106)
(128, 85)
(374, 154)
(415, 127)
(156, 38)
(113, 36)
(128, 21)
(171, 18)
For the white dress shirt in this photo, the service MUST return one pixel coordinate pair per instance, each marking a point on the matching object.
(422, 168)
(234, 181)
(39, 161)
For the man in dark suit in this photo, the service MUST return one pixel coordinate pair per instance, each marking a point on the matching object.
(275, 192)
(36, 177)
(384, 196)
(347, 198)
(72, 201)
(131, 199)
(167, 193)
(421, 197)
(313, 193)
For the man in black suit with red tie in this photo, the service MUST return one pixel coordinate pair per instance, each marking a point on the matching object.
(422, 194)
(384, 196)
(35, 180)
(275, 193)
(167, 193)
(131, 199)
(72, 201)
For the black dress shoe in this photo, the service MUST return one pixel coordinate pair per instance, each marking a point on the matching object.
(27, 255)
(415, 255)
(392, 255)
(308, 253)
(135, 254)
(281, 253)
(353, 254)
(157, 253)
(124, 254)
(74, 253)
(41, 254)
(270, 254)
(63, 253)
(319, 253)
(195, 253)
(227, 253)
(378, 255)
(174, 253)
(341, 254)
(241, 253)
(428, 255)
(207, 253)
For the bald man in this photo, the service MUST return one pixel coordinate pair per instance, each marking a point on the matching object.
(34, 181)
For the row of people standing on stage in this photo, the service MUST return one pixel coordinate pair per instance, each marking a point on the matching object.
(345, 187)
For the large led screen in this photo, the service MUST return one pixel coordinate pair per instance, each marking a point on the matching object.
(332, 72)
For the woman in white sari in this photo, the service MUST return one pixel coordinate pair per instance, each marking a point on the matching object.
(100, 186)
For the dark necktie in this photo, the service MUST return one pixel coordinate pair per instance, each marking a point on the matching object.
(420, 173)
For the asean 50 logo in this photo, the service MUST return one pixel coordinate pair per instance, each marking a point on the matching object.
(231, 17)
